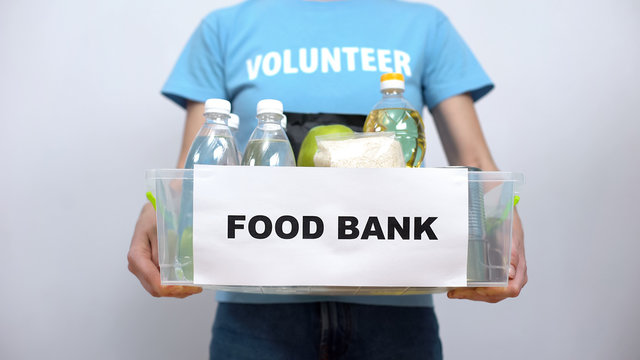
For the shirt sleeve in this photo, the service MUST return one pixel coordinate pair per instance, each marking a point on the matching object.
(451, 68)
(199, 72)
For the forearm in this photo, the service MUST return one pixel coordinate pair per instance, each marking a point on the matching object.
(461, 135)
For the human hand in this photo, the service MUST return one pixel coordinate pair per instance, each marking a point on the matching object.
(143, 258)
(517, 273)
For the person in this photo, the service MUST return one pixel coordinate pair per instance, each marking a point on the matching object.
(327, 57)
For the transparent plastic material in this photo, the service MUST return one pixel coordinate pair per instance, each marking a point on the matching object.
(269, 144)
(364, 150)
(213, 145)
(491, 199)
(394, 113)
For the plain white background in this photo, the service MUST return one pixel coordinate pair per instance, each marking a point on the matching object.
(81, 117)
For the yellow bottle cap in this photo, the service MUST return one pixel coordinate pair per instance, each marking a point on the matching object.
(391, 76)
(392, 81)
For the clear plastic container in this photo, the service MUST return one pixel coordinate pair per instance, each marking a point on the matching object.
(491, 201)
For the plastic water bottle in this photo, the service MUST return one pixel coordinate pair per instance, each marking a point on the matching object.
(234, 125)
(269, 144)
(394, 113)
(213, 145)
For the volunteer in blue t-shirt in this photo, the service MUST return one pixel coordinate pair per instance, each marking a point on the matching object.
(327, 57)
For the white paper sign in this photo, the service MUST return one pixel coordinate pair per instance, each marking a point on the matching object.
(288, 226)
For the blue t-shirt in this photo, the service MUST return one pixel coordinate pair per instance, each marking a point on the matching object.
(323, 57)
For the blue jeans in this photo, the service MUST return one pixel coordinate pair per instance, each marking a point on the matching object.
(325, 330)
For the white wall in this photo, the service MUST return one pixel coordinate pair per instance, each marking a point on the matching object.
(81, 118)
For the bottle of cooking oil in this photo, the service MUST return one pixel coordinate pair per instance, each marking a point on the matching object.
(394, 113)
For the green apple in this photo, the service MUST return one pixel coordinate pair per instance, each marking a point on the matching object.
(310, 146)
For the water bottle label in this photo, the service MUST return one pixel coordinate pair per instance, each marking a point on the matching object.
(286, 226)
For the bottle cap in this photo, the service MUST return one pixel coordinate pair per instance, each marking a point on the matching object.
(217, 106)
(234, 121)
(392, 81)
(269, 106)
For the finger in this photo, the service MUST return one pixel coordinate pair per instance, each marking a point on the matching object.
(495, 294)
(143, 259)
(489, 294)
(471, 294)
(145, 270)
(519, 278)
(149, 277)
(147, 225)
(512, 271)
(152, 236)
(180, 291)
(517, 259)
(142, 265)
(511, 290)
(517, 274)
(514, 261)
